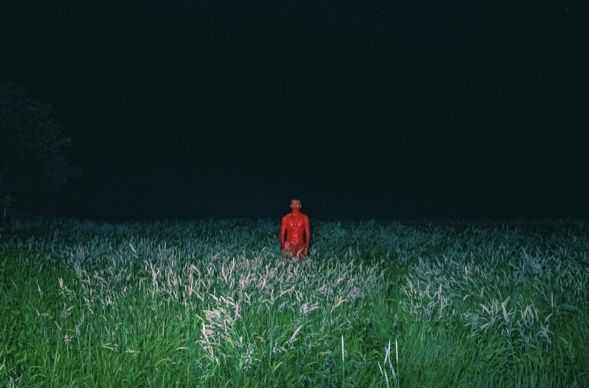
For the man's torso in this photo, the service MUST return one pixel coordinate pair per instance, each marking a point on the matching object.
(295, 228)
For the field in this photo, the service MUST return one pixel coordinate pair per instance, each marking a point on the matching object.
(212, 303)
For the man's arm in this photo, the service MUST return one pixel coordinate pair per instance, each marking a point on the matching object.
(282, 233)
(307, 235)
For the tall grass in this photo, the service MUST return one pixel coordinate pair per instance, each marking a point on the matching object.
(212, 303)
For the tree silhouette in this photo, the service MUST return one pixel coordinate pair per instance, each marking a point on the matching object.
(33, 159)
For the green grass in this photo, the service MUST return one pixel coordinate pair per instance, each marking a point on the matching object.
(211, 303)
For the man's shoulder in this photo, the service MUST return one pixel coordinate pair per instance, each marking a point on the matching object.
(303, 216)
(289, 216)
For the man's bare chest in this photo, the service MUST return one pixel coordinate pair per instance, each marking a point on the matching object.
(297, 223)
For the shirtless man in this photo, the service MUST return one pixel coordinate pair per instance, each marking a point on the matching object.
(295, 232)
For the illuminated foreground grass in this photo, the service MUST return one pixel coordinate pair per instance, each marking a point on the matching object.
(211, 303)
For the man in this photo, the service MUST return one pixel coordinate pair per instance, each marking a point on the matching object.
(295, 232)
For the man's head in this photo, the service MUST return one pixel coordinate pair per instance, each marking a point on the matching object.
(295, 205)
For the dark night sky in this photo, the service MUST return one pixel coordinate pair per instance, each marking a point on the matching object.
(385, 109)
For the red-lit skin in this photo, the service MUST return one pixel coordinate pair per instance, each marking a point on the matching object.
(295, 232)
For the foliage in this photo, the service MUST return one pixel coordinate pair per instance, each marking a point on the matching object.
(212, 303)
(7, 201)
(33, 146)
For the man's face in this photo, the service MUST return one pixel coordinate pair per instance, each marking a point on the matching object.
(295, 204)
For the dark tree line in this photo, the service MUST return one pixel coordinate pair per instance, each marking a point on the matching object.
(34, 163)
